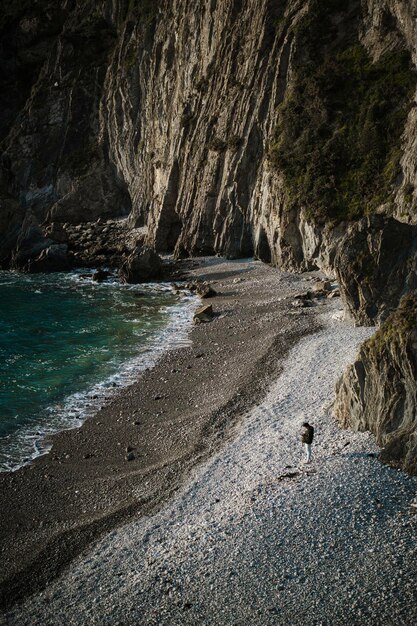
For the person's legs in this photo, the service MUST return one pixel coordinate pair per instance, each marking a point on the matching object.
(308, 452)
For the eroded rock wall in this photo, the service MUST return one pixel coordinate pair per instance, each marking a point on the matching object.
(189, 113)
(388, 25)
(379, 393)
(175, 113)
(168, 111)
(54, 59)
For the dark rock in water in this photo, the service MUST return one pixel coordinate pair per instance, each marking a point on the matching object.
(142, 264)
(204, 314)
(100, 275)
(35, 252)
(30, 243)
(378, 392)
(376, 265)
(52, 259)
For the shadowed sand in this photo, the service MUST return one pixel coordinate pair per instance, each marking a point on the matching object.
(178, 414)
(253, 535)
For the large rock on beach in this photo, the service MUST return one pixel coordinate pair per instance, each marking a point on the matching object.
(202, 289)
(378, 392)
(204, 314)
(142, 265)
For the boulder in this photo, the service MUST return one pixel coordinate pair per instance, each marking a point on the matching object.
(143, 264)
(204, 314)
(322, 285)
(378, 392)
(205, 290)
(30, 243)
(100, 275)
(51, 259)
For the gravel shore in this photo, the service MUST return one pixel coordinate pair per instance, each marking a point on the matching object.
(179, 413)
(255, 536)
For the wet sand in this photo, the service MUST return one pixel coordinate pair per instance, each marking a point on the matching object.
(178, 414)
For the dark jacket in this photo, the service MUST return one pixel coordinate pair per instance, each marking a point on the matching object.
(308, 434)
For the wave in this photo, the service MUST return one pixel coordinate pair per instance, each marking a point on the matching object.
(32, 441)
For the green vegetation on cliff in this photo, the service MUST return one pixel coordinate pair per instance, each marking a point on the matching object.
(144, 10)
(396, 329)
(338, 140)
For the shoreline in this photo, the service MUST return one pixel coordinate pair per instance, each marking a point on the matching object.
(253, 535)
(178, 414)
(36, 439)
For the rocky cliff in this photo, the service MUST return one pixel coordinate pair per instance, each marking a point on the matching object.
(235, 127)
(378, 392)
(284, 129)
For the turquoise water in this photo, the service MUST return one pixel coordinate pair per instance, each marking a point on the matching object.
(65, 340)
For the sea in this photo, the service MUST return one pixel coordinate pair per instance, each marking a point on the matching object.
(68, 344)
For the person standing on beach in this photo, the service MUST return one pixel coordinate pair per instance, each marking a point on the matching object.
(307, 439)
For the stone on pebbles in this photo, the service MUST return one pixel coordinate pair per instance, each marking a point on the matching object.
(322, 285)
(206, 291)
(204, 314)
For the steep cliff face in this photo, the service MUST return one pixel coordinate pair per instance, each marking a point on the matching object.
(285, 129)
(54, 59)
(378, 392)
(198, 101)
(235, 127)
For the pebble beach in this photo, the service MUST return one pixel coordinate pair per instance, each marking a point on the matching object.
(251, 534)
